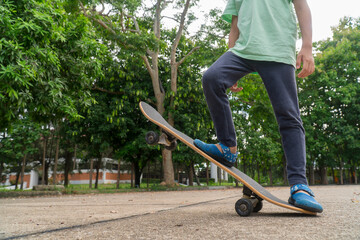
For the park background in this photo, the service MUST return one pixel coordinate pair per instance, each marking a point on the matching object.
(72, 74)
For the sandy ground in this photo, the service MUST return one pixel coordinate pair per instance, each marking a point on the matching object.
(204, 214)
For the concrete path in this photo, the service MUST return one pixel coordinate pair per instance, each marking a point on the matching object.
(206, 214)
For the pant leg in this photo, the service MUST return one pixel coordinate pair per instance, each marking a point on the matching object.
(223, 74)
(280, 83)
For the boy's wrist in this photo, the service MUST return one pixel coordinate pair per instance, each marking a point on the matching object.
(306, 46)
(307, 42)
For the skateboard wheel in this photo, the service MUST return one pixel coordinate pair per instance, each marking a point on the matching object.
(258, 206)
(244, 207)
(172, 146)
(151, 138)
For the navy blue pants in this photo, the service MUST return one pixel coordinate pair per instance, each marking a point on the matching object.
(280, 83)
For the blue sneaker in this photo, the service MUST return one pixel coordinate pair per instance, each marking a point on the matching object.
(302, 200)
(226, 157)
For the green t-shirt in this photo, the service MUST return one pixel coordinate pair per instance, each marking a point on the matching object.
(268, 29)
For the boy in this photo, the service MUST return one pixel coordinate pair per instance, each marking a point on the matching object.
(262, 39)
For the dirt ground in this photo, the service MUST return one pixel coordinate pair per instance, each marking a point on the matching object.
(207, 214)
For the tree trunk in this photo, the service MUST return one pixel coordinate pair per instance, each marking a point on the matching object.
(67, 168)
(351, 175)
(1, 171)
(48, 163)
(132, 175)
(75, 152)
(252, 170)
(191, 174)
(244, 166)
(43, 161)
(323, 172)
(138, 172)
(333, 175)
(91, 172)
(311, 174)
(207, 173)
(219, 175)
(17, 178)
(168, 169)
(118, 175)
(56, 160)
(97, 166)
(341, 173)
(148, 175)
(355, 176)
(47, 166)
(23, 172)
(196, 176)
(159, 92)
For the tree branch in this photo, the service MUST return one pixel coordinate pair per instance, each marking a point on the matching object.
(179, 33)
(189, 53)
(83, 9)
(135, 23)
(147, 64)
(251, 103)
(211, 34)
(104, 25)
(171, 18)
(103, 8)
(107, 91)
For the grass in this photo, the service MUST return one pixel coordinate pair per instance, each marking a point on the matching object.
(106, 188)
(126, 187)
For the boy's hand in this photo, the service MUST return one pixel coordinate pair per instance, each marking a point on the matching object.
(306, 58)
(235, 88)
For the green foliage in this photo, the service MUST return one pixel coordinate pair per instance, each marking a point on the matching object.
(19, 142)
(59, 64)
(48, 61)
(330, 99)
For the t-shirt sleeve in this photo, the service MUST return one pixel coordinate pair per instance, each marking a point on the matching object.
(230, 10)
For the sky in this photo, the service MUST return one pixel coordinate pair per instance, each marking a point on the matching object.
(325, 13)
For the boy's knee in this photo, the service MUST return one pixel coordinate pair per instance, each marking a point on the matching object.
(208, 77)
(210, 80)
(290, 120)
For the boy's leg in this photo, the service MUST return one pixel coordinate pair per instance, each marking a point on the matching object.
(279, 80)
(223, 74)
(280, 83)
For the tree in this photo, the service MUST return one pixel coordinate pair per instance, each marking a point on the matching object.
(330, 101)
(18, 144)
(48, 61)
(122, 24)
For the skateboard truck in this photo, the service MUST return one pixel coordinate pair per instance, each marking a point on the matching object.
(166, 139)
(249, 203)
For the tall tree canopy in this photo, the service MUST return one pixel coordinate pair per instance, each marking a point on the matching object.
(48, 60)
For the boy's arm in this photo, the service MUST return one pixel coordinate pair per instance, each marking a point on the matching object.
(305, 55)
(234, 32)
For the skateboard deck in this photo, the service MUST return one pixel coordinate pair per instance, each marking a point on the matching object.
(155, 117)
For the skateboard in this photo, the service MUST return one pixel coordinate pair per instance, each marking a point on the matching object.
(253, 192)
